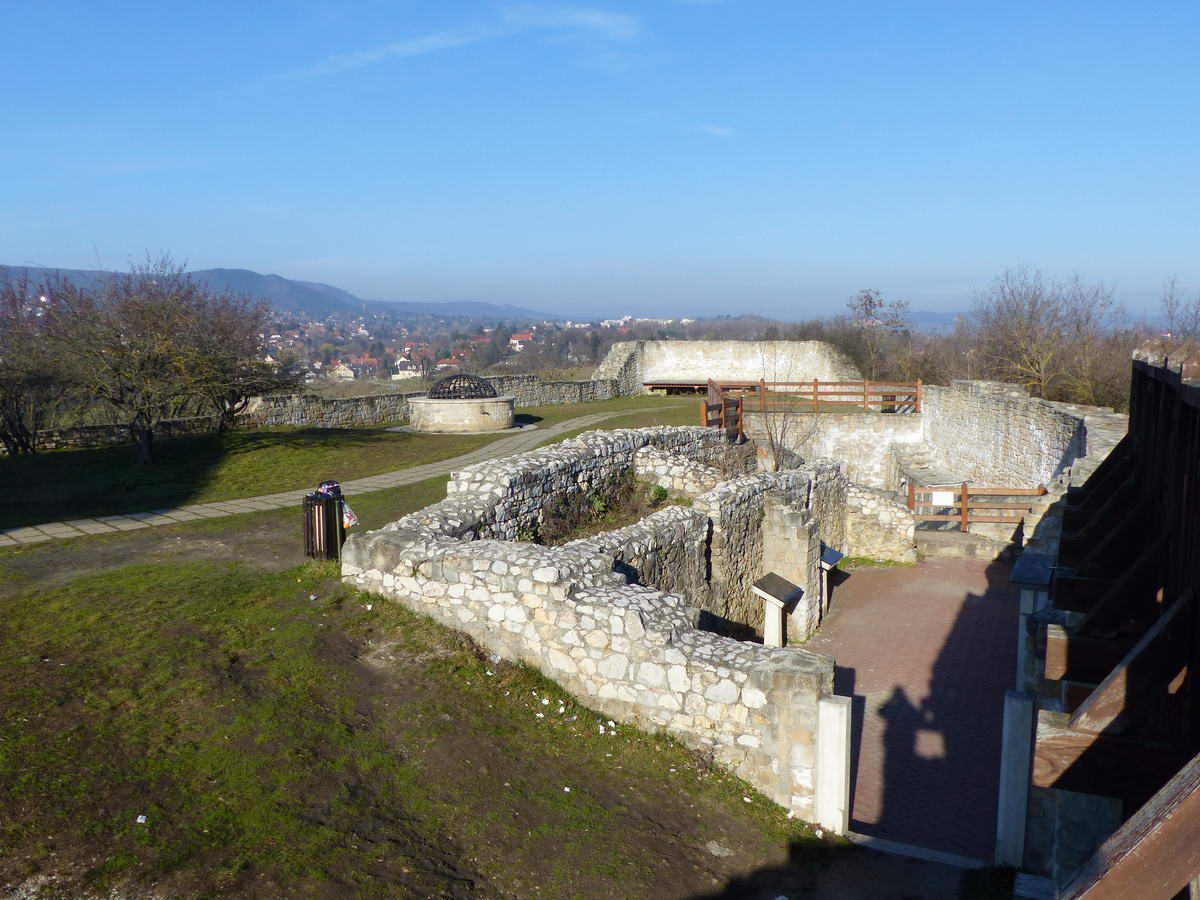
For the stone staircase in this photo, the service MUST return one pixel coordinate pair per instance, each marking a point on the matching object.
(957, 545)
(917, 464)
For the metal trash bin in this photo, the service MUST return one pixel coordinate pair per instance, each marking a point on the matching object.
(324, 528)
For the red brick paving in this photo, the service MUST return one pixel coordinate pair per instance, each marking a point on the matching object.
(927, 653)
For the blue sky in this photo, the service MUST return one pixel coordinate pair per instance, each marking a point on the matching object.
(658, 157)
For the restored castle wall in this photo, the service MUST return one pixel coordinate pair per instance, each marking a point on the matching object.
(517, 487)
(673, 473)
(997, 436)
(878, 526)
(987, 433)
(606, 616)
(636, 362)
(862, 442)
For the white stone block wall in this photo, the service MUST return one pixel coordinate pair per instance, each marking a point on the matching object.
(631, 651)
(674, 473)
(997, 436)
(615, 617)
(633, 363)
(861, 442)
(878, 526)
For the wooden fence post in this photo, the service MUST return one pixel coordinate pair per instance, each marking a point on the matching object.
(704, 412)
(762, 394)
(964, 507)
(816, 397)
(920, 391)
(866, 395)
(912, 496)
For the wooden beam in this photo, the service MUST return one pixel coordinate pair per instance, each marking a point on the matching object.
(1154, 854)
(1120, 602)
(1108, 476)
(1116, 544)
(1146, 670)
(1105, 764)
(1072, 657)
(1074, 593)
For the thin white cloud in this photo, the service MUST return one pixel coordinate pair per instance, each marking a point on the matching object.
(511, 21)
(717, 130)
(596, 22)
(433, 42)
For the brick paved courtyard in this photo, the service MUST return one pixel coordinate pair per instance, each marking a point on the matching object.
(927, 653)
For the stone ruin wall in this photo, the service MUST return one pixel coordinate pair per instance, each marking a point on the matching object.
(636, 362)
(997, 436)
(377, 409)
(312, 411)
(615, 618)
(990, 434)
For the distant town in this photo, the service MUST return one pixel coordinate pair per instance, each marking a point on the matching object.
(403, 348)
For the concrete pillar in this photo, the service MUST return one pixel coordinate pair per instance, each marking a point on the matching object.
(773, 616)
(1016, 759)
(833, 763)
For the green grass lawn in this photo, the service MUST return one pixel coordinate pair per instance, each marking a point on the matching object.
(232, 708)
(74, 484)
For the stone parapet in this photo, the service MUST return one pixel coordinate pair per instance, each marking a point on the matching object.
(617, 618)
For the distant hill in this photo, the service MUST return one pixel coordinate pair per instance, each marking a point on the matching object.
(311, 297)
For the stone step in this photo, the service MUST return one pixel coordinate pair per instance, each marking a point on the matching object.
(959, 545)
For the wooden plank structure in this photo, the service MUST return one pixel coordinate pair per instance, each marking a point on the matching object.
(812, 396)
(966, 501)
(721, 410)
(1129, 666)
(726, 402)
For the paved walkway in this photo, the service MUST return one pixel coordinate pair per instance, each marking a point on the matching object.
(927, 654)
(506, 446)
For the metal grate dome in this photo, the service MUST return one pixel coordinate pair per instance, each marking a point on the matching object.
(461, 387)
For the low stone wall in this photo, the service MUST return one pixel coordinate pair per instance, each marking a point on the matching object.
(878, 526)
(312, 411)
(632, 652)
(674, 473)
(108, 435)
(736, 510)
(861, 442)
(378, 409)
(506, 497)
(624, 619)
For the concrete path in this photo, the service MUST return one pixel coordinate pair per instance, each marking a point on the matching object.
(506, 446)
(927, 654)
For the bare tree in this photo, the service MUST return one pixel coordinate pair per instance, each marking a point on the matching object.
(785, 425)
(226, 368)
(1021, 321)
(154, 344)
(1181, 313)
(33, 383)
(878, 325)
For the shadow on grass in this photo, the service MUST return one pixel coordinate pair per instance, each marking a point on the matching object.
(74, 484)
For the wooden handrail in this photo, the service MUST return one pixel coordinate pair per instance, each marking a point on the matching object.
(965, 507)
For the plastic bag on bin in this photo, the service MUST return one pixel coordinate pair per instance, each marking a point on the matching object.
(349, 519)
(330, 489)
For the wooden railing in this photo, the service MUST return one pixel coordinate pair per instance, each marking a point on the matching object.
(1156, 853)
(828, 396)
(722, 410)
(966, 501)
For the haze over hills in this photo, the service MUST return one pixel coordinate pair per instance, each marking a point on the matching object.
(318, 300)
(310, 297)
